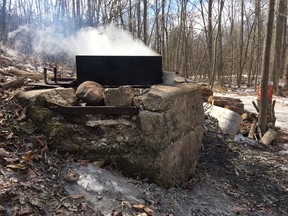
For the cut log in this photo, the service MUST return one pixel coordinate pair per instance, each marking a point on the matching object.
(206, 93)
(223, 101)
(13, 83)
(268, 137)
(25, 74)
(236, 109)
(227, 98)
(248, 116)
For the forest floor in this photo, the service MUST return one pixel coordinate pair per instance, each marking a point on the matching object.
(230, 179)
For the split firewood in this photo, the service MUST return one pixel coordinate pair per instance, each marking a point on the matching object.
(268, 137)
(248, 116)
(252, 132)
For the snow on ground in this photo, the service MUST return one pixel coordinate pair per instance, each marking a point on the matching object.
(249, 95)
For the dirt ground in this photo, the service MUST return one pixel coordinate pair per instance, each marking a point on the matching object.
(230, 179)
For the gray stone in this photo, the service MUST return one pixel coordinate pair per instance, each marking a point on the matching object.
(121, 97)
(62, 96)
(91, 93)
(162, 97)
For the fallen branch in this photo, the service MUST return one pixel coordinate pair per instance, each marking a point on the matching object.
(252, 132)
(272, 114)
(256, 107)
(13, 83)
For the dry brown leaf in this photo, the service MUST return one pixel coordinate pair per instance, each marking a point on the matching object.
(39, 140)
(12, 160)
(22, 116)
(4, 153)
(149, 211)
(138, 206)
(71, 176)
(142, 214)
(9, 136)
(27, 156)
(25, 210)
(84, 162)
(77, 196)
(2, 209)
(17, 166)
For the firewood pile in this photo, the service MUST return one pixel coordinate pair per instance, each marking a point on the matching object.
(249, 126)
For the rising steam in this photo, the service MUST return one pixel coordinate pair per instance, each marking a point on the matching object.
(105, 40)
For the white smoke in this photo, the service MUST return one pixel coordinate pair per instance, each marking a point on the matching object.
(105, 40)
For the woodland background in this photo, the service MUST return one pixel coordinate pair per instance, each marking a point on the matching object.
(216, 40)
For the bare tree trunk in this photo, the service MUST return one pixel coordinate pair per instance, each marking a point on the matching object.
(284, 48)
(164, 47)
(210, 40)
(78, 17)
(232, 43)
(263, 103)
(145, 23)
(90, 12)
(241, 45)
(3, 21)
(139, 29)
(276, 63)
(130, 18)
(220, 63)
(259, 30)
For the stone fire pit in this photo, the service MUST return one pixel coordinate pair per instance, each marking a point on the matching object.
(160, 143)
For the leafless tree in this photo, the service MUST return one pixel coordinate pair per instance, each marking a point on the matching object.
(263, 102)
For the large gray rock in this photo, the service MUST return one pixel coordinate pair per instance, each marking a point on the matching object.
(62, 96)
(91, 93)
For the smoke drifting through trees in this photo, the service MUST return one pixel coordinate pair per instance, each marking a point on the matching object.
(181, 31)
(104, 40)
